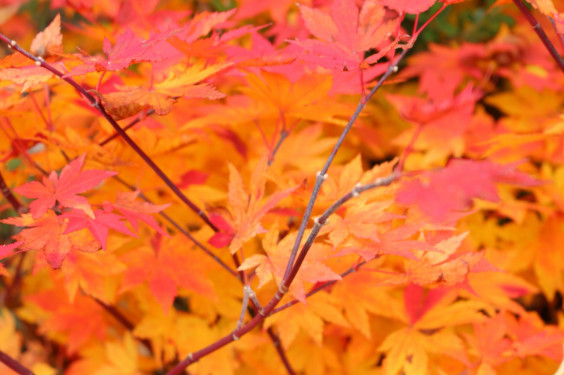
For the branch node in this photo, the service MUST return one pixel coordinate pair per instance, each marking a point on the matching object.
(395, 68)
(282, 289)
(356, 190)
(322, 176)
(12, 44)
(318, 222)
(235, 337)
(191, 357)
(38, 62)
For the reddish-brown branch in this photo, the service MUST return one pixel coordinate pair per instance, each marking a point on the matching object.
(12, 289)
(294, 266)
(127, 127)
(540, 32)
(280, 350)
(7, 193)
(114, 312)
(182, 230)
(287, 281)
(96, 104)
(14, 365)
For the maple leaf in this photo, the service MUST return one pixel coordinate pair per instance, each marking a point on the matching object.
(48, 234)
(98, 224)
(128, 101)
(80, 321)
(49, 41)
(120, 357)
(27, 76)
(94, 274)
(127, 50)
(45, 234)
(444, 266)
(192, 177)
(454, 187)
(165, 267)
(135, 211)
(309, 318)
(273, 265)
(6, 251)
(346, 34)
(544, 6)
(393, 242)
(409, 6)
(246, 208)
(63, 188)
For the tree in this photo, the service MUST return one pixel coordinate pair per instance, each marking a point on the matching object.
(365, 187)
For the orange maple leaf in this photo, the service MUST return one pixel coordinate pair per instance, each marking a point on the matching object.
(162, 96)
(166, 266)
(246, 209)
(48, 234)
(49, 41)
(273, 264)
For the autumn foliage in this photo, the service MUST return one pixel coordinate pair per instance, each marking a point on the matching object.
(271, 187)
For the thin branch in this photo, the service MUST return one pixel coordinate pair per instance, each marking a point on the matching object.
(292, 267)
(560, 36)
(322, 174)
(278, 346)
(318, 288)
(127, 127)
(117, 315)
(7, 193)
(14, 365)
(16, 281)
(39, 61)
(182, 230)
(540, 32)
(287, 281)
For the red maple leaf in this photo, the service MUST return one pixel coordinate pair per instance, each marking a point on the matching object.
(99, 225)
(454, 187)
(127, 50)
(409, 6)
(346, 33)
(166, 266)
(135, 211)
(6, 251)
(63, 188)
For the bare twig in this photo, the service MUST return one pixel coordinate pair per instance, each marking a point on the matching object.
(14, 365)
(7, 193)
(117, 315)
(540, 32)
(127, 127)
